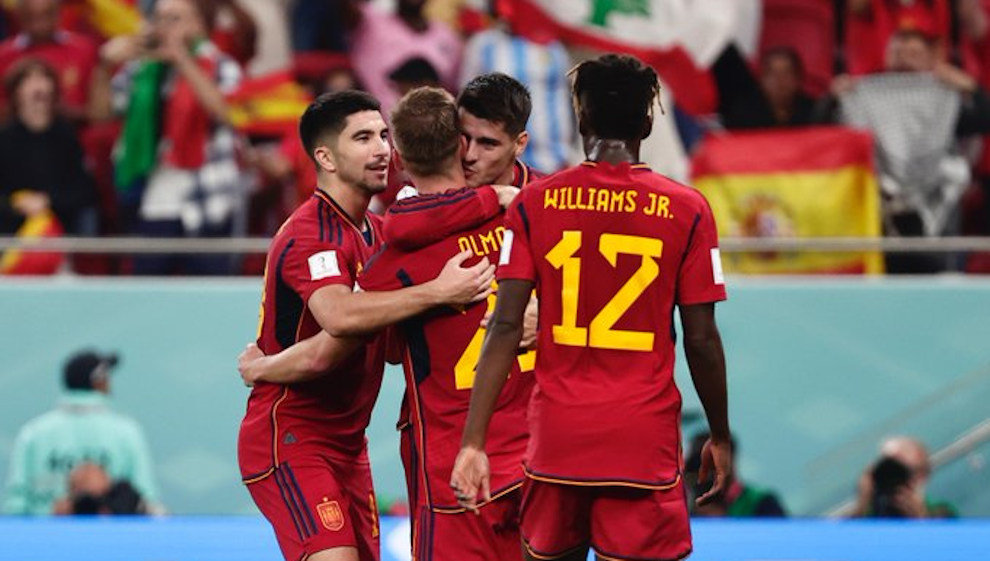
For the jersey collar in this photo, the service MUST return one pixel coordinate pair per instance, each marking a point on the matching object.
(332, 204)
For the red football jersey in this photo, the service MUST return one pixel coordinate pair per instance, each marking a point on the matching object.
(408, 228)
(612, 249)
(442, 349)
(73, 57)
(317, 246)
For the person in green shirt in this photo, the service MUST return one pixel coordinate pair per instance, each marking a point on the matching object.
(82, 428)
(739, 500)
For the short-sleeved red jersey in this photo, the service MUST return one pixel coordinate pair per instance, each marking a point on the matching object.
(442, 349)
(612, 249)
(317, 246)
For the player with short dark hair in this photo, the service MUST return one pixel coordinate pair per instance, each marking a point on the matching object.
(611, 248)
(302, 449)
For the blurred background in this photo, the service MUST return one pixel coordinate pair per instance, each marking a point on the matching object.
(840, 143)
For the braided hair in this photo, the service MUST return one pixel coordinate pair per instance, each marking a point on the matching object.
(615, 95)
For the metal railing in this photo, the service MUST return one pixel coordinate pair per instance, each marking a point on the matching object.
(135, 245)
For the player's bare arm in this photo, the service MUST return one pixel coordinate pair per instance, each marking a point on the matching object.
(342, 312)
(306, 360)
(470, 476)
(530, 323)
(706, 360)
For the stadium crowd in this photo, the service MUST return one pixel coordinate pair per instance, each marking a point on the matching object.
(179, 122)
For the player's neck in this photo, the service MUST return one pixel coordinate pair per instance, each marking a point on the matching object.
(508, 176)
(351, 199)
(453, 178)
(611, 150)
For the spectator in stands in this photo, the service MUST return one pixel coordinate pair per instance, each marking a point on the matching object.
(916, 111)
(414, 73)
(91, 491)
(870, 24)
(542, 68)
(41, 161)
(235, 32)
(895, 484)
(382, 41)
(81, 429)
(177, 152)
(741, 500)
(318, 25)
(774, 99)
(72, 56)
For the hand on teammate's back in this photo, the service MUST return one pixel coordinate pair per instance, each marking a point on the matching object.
(530, 324)
(506, 193)
(457, 284)
(716, 456)
(248, 356)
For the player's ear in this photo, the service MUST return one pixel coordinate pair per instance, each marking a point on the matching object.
(647, 127)
(521, 141)
(397, 159)
(325, 159)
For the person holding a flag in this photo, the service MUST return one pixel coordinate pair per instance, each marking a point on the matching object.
(175, 159)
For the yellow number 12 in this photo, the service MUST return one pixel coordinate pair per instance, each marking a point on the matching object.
(599, 333)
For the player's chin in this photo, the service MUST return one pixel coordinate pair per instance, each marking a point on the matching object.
(374, 185)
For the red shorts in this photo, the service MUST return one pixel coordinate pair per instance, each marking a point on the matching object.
(314, 505)
(492, 534)
(617, 522)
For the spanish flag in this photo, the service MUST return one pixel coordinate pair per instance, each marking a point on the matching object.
(16, 262)
(804, 183)
(114, 17)
(269, 105)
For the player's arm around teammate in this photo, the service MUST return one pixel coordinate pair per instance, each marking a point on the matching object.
(373, 311)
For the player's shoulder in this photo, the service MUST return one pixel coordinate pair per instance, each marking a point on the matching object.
(675, 190)
(420, 202)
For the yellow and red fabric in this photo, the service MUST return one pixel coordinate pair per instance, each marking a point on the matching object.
(269, 105)
(17, 262)
(808, 183)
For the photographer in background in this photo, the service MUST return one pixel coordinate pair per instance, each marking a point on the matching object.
(82, 429)
(91, 491)
(894, 486)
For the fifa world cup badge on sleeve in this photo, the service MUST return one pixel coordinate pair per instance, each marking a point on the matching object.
(717, 275)
(323, 265)
(503, 257)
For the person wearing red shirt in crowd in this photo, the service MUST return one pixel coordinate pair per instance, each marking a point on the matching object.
(302, 450)
(72, 55)
(871, 23)
(611, 248)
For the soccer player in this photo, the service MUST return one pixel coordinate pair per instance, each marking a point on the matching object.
(441, 352)
(442, 349)
(301, 448)
(492, 111)
(612, 248)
